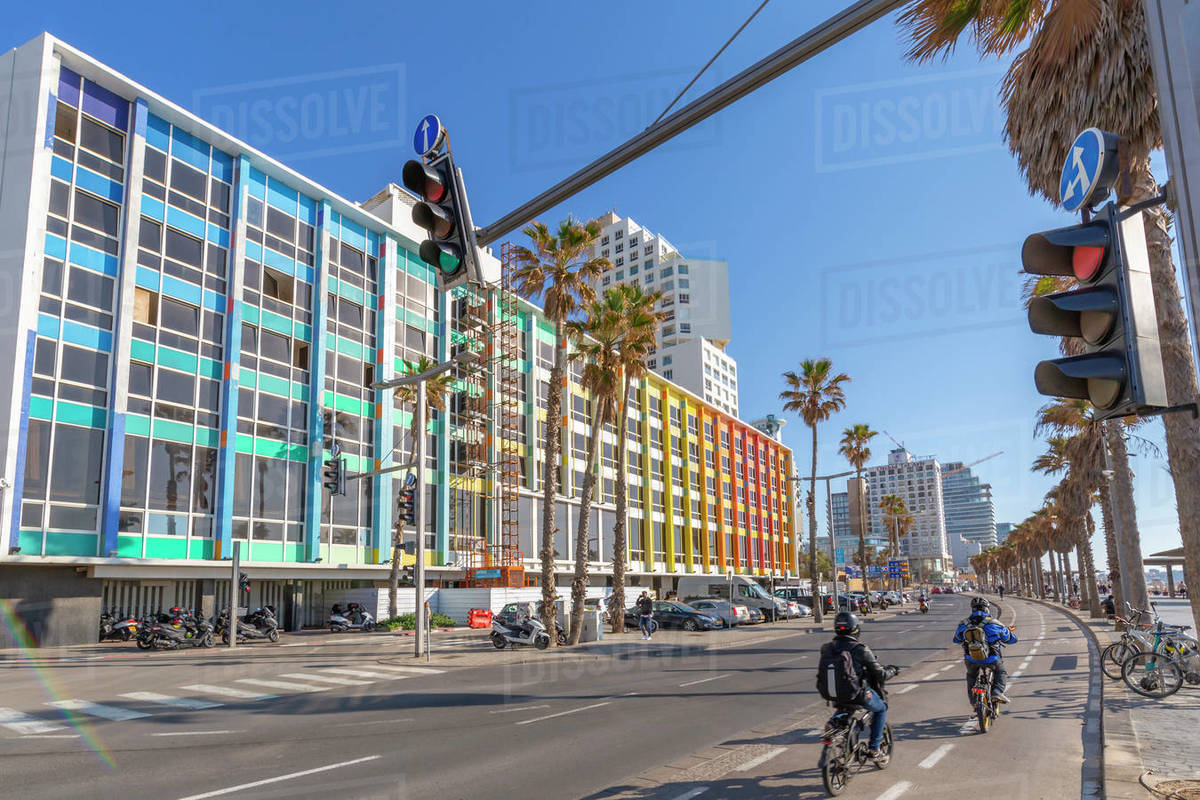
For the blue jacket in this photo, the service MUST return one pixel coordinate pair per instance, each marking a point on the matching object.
(996, 634)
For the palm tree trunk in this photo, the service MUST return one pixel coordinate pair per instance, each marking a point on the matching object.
(1093, 588)
(1115, 581)
(1054, 584)
(1040, 577)
(1129, 539)
(814, 583)
(553, 446)
(620, 546)
(580, 578)
(394, 577)
(1182, 432)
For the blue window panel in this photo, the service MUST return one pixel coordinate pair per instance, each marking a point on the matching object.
(182, 290)
(222, 165)
(98, 184)
(279, 261)
(308, 210)
(158, 133)
(354, 234)
(68, 86)
(48, 326)
(254, 251)
(86, 336)
(258, 184)
(218, 235)
(60, 168)
(306, 273)
(189, 149)
(281, 196)
(56, 247)
(106, 106)
(147, 278)
(372, 243)
(184, 221)
(93, 259)
(214, 301)
(153, 207)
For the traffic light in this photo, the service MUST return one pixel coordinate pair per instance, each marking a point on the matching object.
(334, 475)
(443, 211)
(1111, 311)
(408, 505)
(243, 582)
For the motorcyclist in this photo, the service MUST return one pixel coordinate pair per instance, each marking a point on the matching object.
(872, 674)
(997, 635)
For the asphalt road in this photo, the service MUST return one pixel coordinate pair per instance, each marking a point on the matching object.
(358, 720)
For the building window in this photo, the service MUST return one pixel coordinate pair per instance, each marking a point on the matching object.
(685, 298)
(668, 271)
(633, 269)
(621, 275)
(620, 260)
(606, 281)
(683, 283)
(683, 269)
(666, 361)
(620, 248)
(618, 234)
(668, 374)
(603, 240)
(604, 253)
(685, 327)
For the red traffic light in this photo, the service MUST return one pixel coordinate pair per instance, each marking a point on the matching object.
(424, 181)
(1078, 251)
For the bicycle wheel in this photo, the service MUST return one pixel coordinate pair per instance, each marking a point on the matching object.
(1152, 675)
(1113, 656)
(983, 713)
(833, 771)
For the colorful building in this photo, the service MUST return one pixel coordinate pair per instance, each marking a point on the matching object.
(192, 325)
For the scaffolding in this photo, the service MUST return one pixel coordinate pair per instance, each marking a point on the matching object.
(468, 473)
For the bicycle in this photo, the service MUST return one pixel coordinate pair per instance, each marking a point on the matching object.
(1132, 641)
(1160, 671)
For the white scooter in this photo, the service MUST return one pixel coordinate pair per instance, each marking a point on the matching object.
(355, 618)
(524, 632)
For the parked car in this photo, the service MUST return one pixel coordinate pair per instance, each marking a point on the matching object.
(757, 616)
(737, 589)
(673, 614)
(802, 610)
(894, 597)
(936, 590)
(730, 614)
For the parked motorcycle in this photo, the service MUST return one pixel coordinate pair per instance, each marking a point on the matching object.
(522, 632)
(260, 624)
(117, 627)
(355, 617)
(184, 630)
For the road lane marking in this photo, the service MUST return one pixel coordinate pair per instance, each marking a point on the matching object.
(97, 710)
(908, 688)
(374, 722)
(787, 660)
(690, 793)
(948, 666)
(896, 790)
(762, 759)
(189, 703)
(285, 685)
(312, 676)
(228, 691)
(705, 680)
(936, 756)
(561, 713)
(19, 722)
(277, 779)
(518, 708)
(358, 673)
(413, 670)
(931, 676)
(968, 726)
(194, 733)
(54, 736)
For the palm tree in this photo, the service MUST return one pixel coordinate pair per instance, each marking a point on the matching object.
(561, 271)
(1087, 64)
(596, 343)
(896, 519)
(854, 447)
(436, 389)
(639, 326)
(816, 394)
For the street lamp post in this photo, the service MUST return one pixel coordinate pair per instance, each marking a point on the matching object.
(829, 513)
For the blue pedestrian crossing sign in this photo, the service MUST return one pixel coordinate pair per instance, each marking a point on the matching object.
(428, 136)
(1090, 164)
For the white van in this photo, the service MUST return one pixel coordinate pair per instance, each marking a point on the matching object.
(738, 589)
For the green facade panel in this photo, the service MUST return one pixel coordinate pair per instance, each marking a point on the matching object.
(59, 543)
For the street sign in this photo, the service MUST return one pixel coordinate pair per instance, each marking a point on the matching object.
(1089, 168)
(487, 574)
(411, 480)
(839, 555)
(428, 136)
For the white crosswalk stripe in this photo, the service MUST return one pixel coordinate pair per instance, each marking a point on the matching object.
(413, 670)
(189, 703)
(358, 673)
(312, 676)
(19, 722)
(285, 685)
(97, 710)
(228, 691)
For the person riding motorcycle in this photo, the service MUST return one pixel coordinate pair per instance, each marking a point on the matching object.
(996, 635)
(872, 674)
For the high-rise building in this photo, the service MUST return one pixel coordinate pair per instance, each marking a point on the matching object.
(691, 342)
(968, 509)
(918, 481)
(845, 533)
(193, 325)
(1003, 529)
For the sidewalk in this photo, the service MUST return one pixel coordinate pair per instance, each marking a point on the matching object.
(1142, 735)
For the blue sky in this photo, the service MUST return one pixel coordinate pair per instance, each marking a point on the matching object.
(868, 208)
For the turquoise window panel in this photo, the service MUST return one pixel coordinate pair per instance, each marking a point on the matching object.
(279, 261)
(48, 326)
(257, 183)
(303, 332)
(141, 351)
(250, 314)
(214, 301)
(176, 359)
(41, 408)
(148, 278)
(98, 185)
(308, 210)
(80, 414)
(93, 259)
(189, 149)
(373, 243)
(282, 197)
(188, 292)
(173, 431)
(61, 168)
(351, 292)
(277, 323)
(208, 437)
(218, 235)
(71, 544)
(254, 251)
(306, 273)
(56, 247)
(210, 368)
(86, 336)
(222, 165)
(153, 207)
(274, 385)
(137, 425)
(184, 221)
(158, 133)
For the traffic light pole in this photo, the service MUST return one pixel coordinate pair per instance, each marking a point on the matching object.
(419, 567)
(234, 594)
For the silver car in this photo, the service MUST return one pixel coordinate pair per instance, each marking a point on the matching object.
(729, 613)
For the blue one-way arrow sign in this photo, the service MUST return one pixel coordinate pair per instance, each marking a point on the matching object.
(428, 135)
(1084, 167)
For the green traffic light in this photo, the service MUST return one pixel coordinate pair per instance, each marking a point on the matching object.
(449, 262)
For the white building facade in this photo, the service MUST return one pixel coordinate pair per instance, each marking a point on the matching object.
(918, 481)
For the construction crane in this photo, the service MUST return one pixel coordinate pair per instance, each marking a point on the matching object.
(968, 466)
(898, 444)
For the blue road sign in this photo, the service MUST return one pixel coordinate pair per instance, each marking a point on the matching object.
(839, 555)
(428, 135)
(1082, 169)
(411, 480)
(487, 574)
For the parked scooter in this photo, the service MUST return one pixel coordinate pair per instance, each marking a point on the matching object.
(117, 627)
(184, 630)
(355, 617)
(528, 631)
(260, 624)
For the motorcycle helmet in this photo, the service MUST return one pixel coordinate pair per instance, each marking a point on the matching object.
(980, 604)
(846, 624)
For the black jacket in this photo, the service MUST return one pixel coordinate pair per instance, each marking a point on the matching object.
(645, 605)
(866, 665)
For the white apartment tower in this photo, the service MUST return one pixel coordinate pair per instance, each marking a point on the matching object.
(690, 350)
(919, 482)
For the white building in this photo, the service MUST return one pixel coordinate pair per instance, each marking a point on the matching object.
(967, 505)
(918, 481)
(691, 343)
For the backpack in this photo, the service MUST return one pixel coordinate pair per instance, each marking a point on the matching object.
(837, 680)
(975, 640)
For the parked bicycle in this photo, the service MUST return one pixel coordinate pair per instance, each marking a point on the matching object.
(1161, 670)
(1133, 640)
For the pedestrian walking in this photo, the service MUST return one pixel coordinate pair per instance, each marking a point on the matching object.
(645, 608)
(1000, 588)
